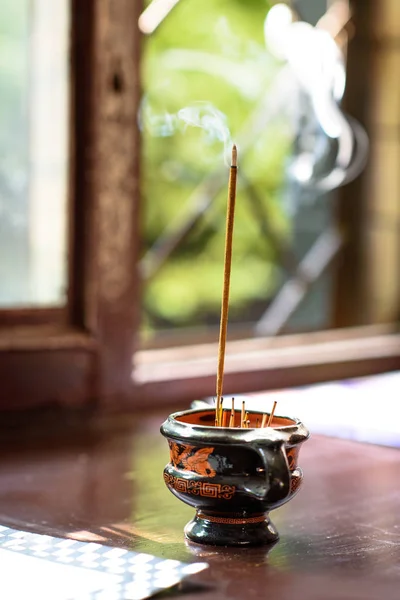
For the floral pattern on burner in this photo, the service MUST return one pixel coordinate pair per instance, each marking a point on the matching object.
(188, 458)
(292, 456)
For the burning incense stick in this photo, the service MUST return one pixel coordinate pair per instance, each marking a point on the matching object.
(227, 277)
(271, 416)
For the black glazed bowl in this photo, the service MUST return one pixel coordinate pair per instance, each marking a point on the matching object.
(233, 477)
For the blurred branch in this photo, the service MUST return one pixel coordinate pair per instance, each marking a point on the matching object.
(285, 255)
(154, 15)
(175, 233)
(205, 193)
(336, 18)
(288, 299)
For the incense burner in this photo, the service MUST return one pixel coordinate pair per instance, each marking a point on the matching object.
(233, 477)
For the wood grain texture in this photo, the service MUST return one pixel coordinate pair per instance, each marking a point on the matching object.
(103, 292)
(12, 318)
(47, 377)
(107, 189)
(351, 305)
(182, 374)
(340, 536)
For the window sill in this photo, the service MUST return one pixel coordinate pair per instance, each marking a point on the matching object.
(180, 374)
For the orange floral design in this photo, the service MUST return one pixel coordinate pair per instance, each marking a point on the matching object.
(174, 452)
(198, 462)
(192, 461)
(292, 457)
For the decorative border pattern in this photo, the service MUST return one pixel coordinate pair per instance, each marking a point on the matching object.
(200, 488)
(231, 521)
(295, 483)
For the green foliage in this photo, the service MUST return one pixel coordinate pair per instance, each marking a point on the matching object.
(209, 52)
(185, 287)
(14, 54)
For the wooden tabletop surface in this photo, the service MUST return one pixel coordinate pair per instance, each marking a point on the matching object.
(340, 537)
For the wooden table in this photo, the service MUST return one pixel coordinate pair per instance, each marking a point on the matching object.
(340, 537)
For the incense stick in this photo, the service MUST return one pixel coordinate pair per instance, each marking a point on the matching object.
(242, 414)
(232, 417)
(264, 420)
(227, 275)
(217, 401)
(272, 414)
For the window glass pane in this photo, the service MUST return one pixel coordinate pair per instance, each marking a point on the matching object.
(33, 151)
(212, 75)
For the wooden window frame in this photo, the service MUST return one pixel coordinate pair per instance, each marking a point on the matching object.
(82, 355)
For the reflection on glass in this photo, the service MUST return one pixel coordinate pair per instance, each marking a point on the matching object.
(33, 152)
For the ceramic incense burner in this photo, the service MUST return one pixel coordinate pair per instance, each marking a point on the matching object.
(233, 477)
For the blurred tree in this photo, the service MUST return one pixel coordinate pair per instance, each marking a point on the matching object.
(209, 59)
